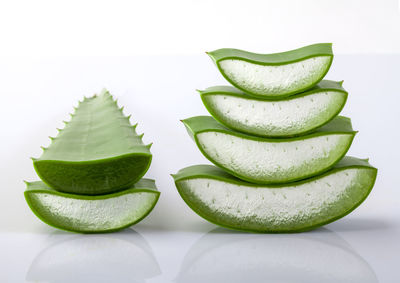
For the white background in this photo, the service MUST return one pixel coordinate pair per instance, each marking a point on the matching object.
(156, 83)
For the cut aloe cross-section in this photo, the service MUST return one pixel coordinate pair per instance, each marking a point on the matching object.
(292, 116)
(266, 160)
(227, 201)
(92, 214)
(97, 152)
(275, 75)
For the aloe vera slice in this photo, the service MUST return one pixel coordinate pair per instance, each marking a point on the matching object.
(265, 160)
(292, 116)
(97, 152)
(277, 75)
(229, 202)
(92, 214)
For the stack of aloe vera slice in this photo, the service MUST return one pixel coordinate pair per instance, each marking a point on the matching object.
(278, 145)
(92, 172)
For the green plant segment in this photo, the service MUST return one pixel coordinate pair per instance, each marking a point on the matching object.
(274, 76)
(92, 214)
(92, 172)
(278, 144)
(230, 202)
(97, 152)
(291, 116)
(264, 161)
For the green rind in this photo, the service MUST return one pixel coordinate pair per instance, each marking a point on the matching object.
(212, 172)
(296, 55)
(324, 85)
(143, 185)
(98, 151)
(200, 124)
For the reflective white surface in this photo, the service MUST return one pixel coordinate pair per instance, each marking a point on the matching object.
(173, 244)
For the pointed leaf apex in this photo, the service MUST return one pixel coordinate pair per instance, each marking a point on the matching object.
(104, 91)
(149, 145)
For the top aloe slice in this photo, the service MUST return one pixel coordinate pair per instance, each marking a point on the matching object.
(97, 152)
(271, 160)
(295, 207)
(291, 116)
(277, 75)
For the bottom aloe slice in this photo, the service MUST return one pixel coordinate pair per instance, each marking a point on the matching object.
(229, 202)
(92, 214)
(292, 116)
(268, 160)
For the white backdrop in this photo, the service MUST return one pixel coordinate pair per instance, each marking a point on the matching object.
(129, 27)
(167, 40)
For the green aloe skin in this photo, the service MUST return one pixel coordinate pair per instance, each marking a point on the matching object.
(300, 206)
(266, 161)
(92, 214)
(291, 116)
(97, 152)
(274, 76)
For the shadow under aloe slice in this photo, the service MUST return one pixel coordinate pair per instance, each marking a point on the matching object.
(92, 214)
(97, 152)
(229, 202)
(273, 76)
(267, 160)
(295, 115)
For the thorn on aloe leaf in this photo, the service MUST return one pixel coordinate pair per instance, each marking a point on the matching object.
(149, 145)
(141, 135)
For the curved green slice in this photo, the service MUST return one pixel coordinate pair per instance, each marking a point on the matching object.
(277, 75)
(229, 202)
(295, 115)
(266, 160)
(92, 214)
(97, 152)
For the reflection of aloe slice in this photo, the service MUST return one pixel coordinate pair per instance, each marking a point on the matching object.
(92, 214)
(97, 152)
(293, 116)
(320, 256)
(274, 75)
(263, 160)
(121, 257)
(224, 200)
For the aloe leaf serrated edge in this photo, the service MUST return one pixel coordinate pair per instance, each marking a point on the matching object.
(97, 152)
